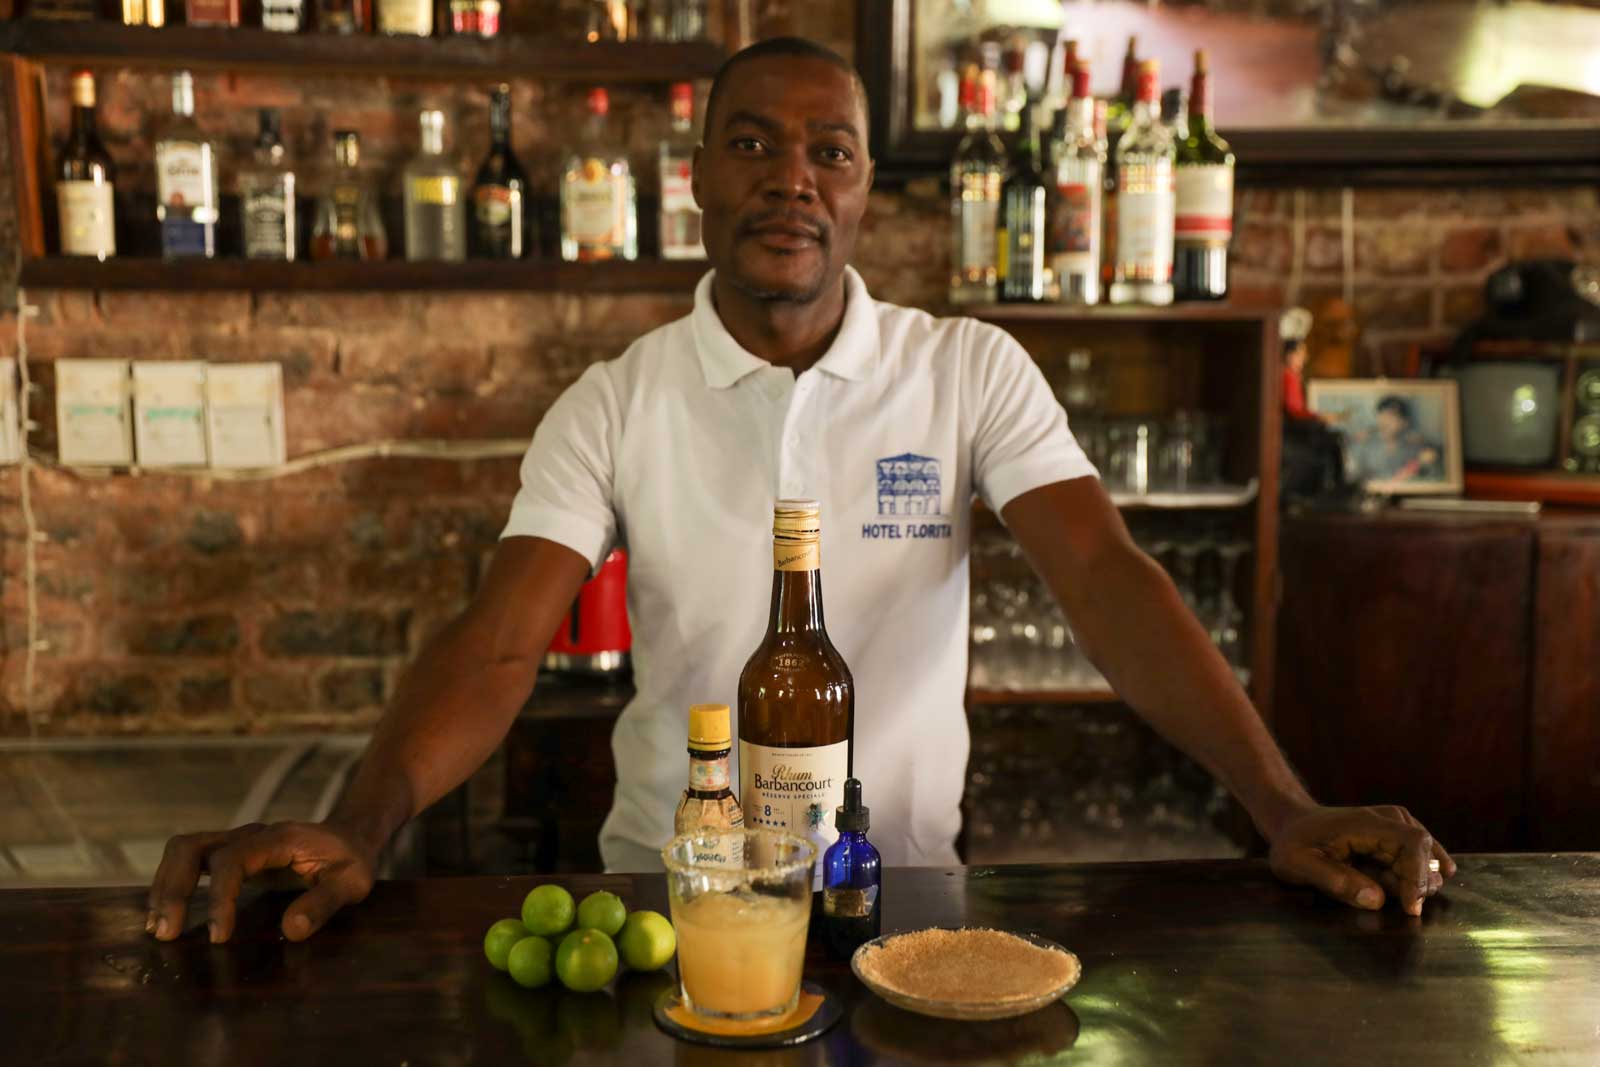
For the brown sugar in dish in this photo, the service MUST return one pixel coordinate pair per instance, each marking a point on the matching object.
(975, 966)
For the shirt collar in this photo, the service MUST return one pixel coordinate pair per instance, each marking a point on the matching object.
(852, 356)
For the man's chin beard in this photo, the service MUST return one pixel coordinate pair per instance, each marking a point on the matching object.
(785, 295)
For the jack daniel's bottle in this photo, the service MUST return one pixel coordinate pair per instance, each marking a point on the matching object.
(796, 698)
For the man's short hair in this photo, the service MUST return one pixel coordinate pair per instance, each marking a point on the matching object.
(782, 46)
(1397, 404)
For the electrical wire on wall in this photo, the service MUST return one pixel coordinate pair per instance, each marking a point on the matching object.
(457, 451)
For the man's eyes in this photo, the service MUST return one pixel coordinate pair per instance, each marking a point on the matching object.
(834, 154)
(747, 144)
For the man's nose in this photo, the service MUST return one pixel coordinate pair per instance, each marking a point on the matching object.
(790, 177)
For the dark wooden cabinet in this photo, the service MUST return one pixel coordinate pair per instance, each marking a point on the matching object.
(1448, 664)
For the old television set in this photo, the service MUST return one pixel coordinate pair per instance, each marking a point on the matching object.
(1529, 378)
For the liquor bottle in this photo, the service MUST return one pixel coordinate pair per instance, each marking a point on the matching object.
(976, 174)
(144, 12)
(852, 873)
(349, 224)
(598, 209)
(680, 215)
(211, 12)
(85, 181)
(475, 18)
(1080, 164)
(411, 18)
(1014, 95)
(186, 180)
(65, 10)
(1204, 226)
(1021, 234)
(1119, 109)
(796, 697)
(686, 19)
(344, 16)
(435, 210)
(266, 195)
(498, 195)
(709, 803)
(1144, 162)
(611, 20)
(1174, 105)
(283, 16)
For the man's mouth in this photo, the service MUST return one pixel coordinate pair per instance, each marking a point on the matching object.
(785, 234)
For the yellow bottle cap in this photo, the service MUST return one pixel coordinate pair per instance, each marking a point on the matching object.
(708, 727)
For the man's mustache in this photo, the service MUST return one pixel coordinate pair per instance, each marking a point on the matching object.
(815, 228)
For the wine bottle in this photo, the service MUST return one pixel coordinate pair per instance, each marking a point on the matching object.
(1144, 164)
(1020, 239)
(796, 697)
(1204, 226)
(85, 179)
(1074, 241)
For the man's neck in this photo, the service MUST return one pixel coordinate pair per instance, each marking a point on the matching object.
(783, 333)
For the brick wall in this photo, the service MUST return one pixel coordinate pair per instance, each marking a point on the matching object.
(174, 603)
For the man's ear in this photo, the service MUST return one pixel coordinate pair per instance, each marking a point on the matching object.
(694, 176)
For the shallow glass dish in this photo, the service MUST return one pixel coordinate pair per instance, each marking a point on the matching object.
(971, 1010)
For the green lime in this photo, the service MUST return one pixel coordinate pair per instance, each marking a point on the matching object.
(547, 911)
(647, 941)
(498, 941)
(602, 911)
(529, 962)
(586, 960)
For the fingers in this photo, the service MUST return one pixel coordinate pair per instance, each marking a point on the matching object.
(244, 857)
(1308, 866)
(1409, 869)
(175, 881)
(313, 908)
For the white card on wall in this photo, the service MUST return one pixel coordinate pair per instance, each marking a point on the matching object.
(10, 415)
(169, 413)
(244, 415)
(93, 427)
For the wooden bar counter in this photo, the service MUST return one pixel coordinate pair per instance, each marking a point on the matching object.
(1184, 963)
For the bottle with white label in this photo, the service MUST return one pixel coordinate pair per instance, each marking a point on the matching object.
(186, 180)
(796, 696)
(266, 195)
(1204, 227)
(85, 180)
(709, 804)
(1145, 158)
(599, 211)
(680, 215)
(1080, 162)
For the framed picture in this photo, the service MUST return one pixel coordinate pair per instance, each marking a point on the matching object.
(1308, 92)
(1402, 436)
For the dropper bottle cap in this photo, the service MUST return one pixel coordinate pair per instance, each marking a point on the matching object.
(852, 815)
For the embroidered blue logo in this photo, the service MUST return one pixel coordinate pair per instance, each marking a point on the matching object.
(909, 485)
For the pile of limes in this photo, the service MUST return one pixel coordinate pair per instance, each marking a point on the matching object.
(574, 943)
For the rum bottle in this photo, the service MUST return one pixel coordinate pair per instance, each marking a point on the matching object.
(708, 803)
(599, 218)
(85, 177)
(796, 697)
(976, 174)
(1145, 200)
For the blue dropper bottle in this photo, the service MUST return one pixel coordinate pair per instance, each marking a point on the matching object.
(852, 912)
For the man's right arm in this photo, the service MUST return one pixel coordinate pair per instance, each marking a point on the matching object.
(451, 710)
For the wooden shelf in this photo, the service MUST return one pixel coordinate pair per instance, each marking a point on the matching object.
(977, 697)
(1218, 498)
(526, 275)
(1177, 313)
(447, 58)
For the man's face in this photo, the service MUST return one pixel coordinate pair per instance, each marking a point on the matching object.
(782, 177)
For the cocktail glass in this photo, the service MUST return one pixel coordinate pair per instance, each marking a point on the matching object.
(741, 924)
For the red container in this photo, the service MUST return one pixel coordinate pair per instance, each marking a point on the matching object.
(594, 638)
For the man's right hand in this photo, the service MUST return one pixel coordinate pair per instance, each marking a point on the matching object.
(335, 865)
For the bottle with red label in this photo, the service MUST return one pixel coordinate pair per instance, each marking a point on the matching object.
(1073, 241)
(1204, 226)
(680, 215)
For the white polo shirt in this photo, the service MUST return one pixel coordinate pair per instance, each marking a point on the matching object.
(678, 449)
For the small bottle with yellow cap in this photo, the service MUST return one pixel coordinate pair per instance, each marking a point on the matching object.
(709, 803)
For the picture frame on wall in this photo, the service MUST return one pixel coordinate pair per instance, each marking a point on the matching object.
(1402, 436)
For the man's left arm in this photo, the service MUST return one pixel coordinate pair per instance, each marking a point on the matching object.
(1132, 624)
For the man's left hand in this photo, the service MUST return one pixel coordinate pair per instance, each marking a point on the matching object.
(1319, 848)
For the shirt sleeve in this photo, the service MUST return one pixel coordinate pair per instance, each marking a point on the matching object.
(567, 472)
(1020, 438)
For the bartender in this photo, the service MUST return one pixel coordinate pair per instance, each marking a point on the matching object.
(787, 379)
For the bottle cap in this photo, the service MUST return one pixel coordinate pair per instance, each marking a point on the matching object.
(599, 102)
(683, 91)
(432, 121)
(852, 815)
(797, 520)
(83, 88)
(708, 727)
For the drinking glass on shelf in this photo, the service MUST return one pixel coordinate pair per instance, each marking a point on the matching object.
(741, 922)
(1231, 617)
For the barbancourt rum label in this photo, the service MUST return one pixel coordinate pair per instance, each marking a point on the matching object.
(796, 790)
